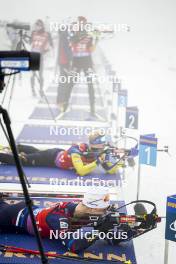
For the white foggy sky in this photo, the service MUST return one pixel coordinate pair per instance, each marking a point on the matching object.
(145, 59)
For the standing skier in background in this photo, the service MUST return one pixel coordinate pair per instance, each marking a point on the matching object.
(83, 45)
(64, 61)
(41, 41)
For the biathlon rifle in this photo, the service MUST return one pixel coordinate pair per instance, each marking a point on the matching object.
(139, 223)
(118, 156)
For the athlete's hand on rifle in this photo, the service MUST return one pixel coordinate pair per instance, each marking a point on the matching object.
(101, 158)
(107, 223)
(149, 221)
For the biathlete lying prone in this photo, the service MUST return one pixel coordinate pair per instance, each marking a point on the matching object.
(77, 225)
(83, 158)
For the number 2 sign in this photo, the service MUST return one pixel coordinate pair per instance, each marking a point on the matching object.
(131, 117)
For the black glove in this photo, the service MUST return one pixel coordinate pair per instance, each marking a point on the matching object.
(107, 223)
(150, 221)
(128, 234)
(131, 162)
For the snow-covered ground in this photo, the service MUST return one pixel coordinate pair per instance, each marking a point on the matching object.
(145, 60)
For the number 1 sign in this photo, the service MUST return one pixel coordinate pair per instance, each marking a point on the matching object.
(148, 150)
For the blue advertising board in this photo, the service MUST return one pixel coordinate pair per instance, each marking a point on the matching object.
(170, 231)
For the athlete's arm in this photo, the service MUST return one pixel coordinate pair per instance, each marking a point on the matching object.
(73, 240)
(50, 40)
(110, 166)
(79, 166)
(114, 169)
(92, 45)
(79, 240)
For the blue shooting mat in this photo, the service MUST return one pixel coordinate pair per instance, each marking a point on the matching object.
(78, 89)
(120, 253)
(74, 100)
(56, 176)
(44, 113)
(54, 134)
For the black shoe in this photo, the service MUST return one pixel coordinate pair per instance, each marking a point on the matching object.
(140, 209)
